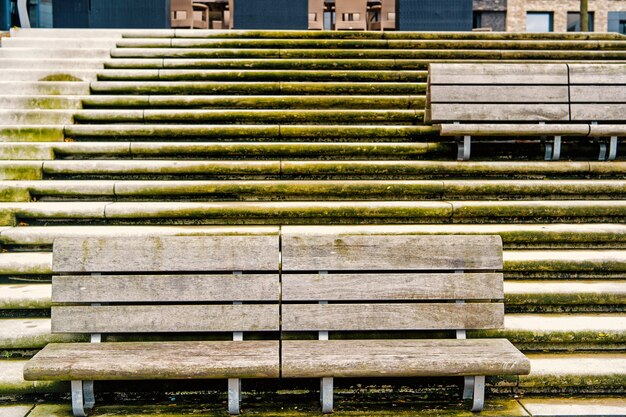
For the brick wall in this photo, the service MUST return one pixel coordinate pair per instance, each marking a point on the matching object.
(516, 12)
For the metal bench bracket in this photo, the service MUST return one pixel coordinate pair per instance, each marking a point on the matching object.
(479, 393)
(83, 398)
(553, 150)
(234, 384)
(326, 383)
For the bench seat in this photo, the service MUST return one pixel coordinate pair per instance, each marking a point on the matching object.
(401, 358)
(155, 360)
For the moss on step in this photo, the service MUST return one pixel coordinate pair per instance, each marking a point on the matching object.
(31, 134)
(21, 170)
(61, 77)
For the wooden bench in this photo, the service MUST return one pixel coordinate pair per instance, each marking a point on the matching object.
(352, 282)
(529, 100)
(190, 284)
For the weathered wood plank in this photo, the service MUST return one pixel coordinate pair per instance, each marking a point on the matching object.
(450, 112)
(598, 93)
(515, 130)
(401, 286)
(597, 73)
(329, 251)
(164, 318)
(608, 130)
(498, 94)
(401, 358)
(164, 288)
(541, 74)
(419, 316)
(155, 360)
(599, 112)
(168, 253)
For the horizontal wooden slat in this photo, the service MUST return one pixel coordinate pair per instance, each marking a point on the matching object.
(329, 251)
(401, 358)
(423, 316)
(170, 253)
(509, 129)
(598, 94)
(164, 318)
(597, 73)
(498, 112)
(498, 74)
(498, 94)
(403, 286)
(164, 288)
(152, 360)
(608, 130)
(599, 112)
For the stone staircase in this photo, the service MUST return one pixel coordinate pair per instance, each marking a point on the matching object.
(127, 133)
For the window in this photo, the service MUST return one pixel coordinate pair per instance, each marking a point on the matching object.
(478, 20)
(622, 27)
(539, 22)
(573, 21)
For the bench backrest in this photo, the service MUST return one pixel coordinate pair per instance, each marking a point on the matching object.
(597, 92)
(166, 284)
(386, 282)
(526, 93)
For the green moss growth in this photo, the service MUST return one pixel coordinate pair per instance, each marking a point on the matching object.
(61, 78)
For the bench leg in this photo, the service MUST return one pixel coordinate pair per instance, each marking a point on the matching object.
(82, 397)
(612, 148)
(553, 150)
(479, 393)
(326, 394)
(464, 148)
(468, 387)
(234, 395)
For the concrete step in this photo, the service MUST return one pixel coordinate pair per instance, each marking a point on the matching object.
(228, 116)
(546, 237)
(12, 381)
(20, 74)
(365, 133)
(36, 117)
(465, 54)
(32, 333)
(216, 150)
(56, 53)
(575, 407)
(58, 43)
(25, 263)
(24, 296)
(39, 102)
(565, 260)
(257, 101)
(46, 88)
(32, 133)
(44, 33)
(262, 75)
(60, 65)
(553, 295)
(324, 212)
(317, 63)
(362, 43)
(256, 87)
(21, 170)
(302, 189)
(567, 332)
(575, 373)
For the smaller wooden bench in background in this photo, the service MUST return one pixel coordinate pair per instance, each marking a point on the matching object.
(190, 284)
(529, 100)
(343, 282)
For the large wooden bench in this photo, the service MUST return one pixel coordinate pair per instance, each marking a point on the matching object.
(520, 101)
(203, 285)
(348, 283)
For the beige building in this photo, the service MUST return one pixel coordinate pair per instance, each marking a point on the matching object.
(559, 15)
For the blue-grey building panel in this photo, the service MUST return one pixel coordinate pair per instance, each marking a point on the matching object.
(271, 14)
(135, 14)
(437, 15)
(5, 15)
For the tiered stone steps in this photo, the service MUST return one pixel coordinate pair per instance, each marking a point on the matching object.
(193, 132)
